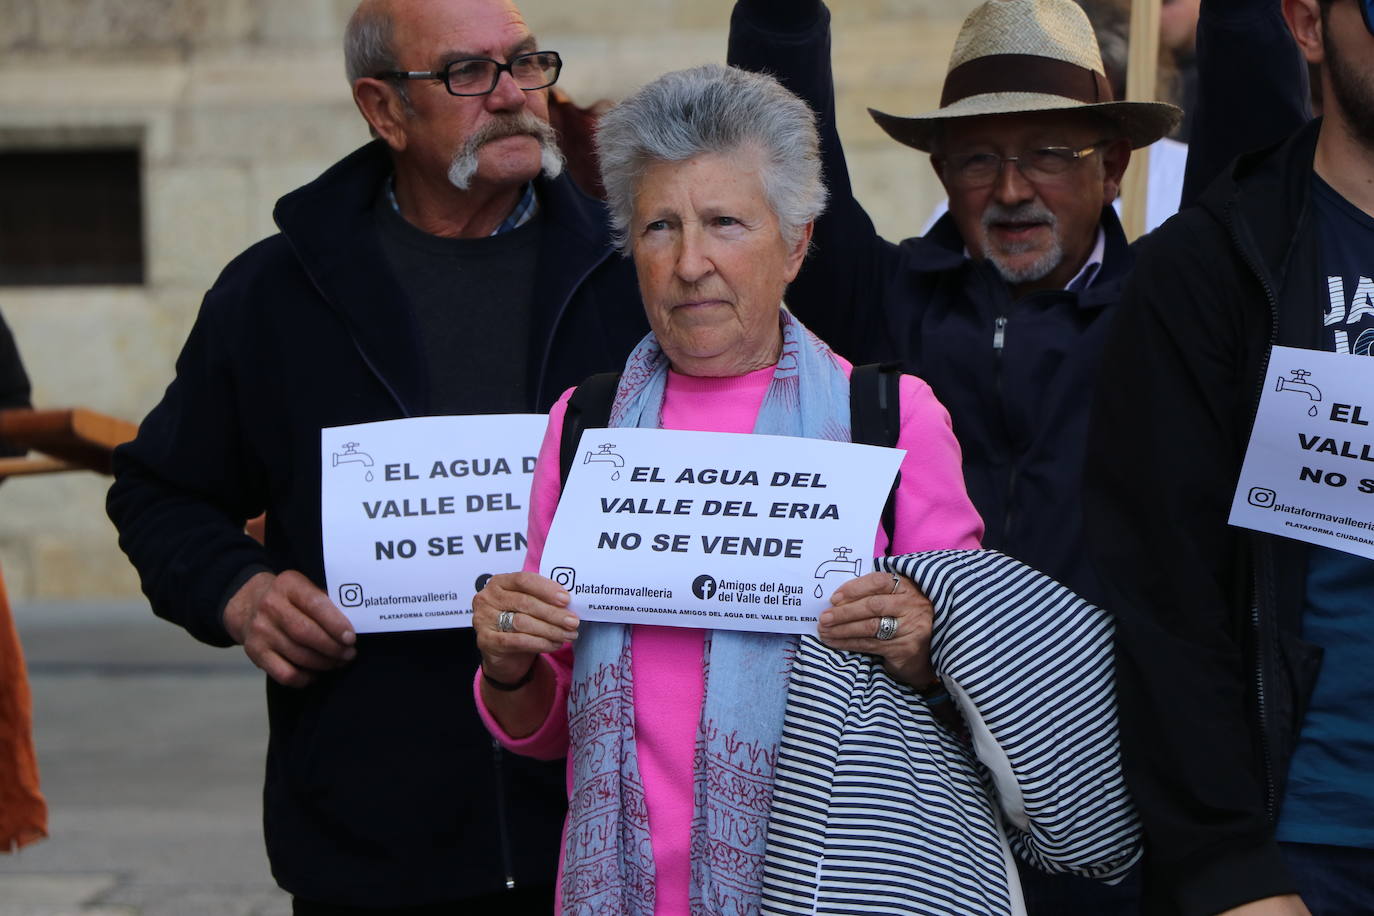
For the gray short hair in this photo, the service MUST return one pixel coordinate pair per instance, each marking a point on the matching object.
(367, 46)
(713, 109)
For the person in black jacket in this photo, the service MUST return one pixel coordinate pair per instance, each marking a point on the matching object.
(1246, 706)
(445, 268)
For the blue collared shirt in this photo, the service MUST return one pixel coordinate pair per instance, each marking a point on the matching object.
(525, 208)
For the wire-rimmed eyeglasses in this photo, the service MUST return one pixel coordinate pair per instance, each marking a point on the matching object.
(978, 170)
(479, 75)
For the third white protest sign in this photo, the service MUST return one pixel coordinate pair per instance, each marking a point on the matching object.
(1309, 470)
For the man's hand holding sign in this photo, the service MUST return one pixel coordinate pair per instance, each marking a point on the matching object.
(418, 513)
(289, 627)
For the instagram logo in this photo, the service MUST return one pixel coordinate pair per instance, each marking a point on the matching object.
(1262, 497)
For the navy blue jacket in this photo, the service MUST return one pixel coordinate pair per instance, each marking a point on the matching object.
(382, 789)
(1020, 410)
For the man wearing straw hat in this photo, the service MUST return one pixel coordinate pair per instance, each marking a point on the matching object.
(1004, 305)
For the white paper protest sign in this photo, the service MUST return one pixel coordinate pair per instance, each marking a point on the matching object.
(418, 513)
(1309, 470)
(723, 530)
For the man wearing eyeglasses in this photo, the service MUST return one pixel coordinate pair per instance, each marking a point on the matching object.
(1001, 307)
(1247, 705)
(1004, 306)
(445, 268)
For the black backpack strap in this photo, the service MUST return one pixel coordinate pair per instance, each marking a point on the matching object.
(588, 408)
(875, 418)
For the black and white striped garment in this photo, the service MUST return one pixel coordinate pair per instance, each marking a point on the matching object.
(879, 808)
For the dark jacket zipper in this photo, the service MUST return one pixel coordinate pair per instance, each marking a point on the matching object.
(357, 344)
(558, 319)
(1261, 707)
(999, 339)
(504, 828)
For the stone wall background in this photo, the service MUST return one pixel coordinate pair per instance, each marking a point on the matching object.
(236, 102)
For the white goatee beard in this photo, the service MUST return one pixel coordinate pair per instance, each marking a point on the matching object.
(1036, 270)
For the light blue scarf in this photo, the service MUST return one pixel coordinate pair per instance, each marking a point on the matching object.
(608, 865)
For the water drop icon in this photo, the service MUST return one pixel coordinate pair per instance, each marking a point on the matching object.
(369, 475)
(819, 593)
(1312, 411)
(615, 475)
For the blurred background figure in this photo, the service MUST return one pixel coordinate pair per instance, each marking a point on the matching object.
(23, 814)
(1178, 51)
(14, 382)
(576, 128)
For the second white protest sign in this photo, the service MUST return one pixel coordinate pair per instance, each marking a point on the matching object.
(722, 530)
(416, 514)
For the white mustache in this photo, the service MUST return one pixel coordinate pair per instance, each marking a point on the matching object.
(516, 125)
(464, 164)
(1029, 212)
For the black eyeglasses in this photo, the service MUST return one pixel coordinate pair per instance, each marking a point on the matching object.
(978, 170)
(479, 75)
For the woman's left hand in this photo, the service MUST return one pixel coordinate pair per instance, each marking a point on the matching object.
(867, 607)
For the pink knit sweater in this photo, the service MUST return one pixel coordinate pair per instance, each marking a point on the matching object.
(933, 511)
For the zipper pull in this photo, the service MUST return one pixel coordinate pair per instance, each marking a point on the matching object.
(999, 333)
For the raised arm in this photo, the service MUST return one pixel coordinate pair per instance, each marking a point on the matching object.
(839, 291)
(1252, 87)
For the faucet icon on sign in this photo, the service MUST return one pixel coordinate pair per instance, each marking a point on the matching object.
(1300, 383)
(606, 454)
(350, 453)
(839, 563)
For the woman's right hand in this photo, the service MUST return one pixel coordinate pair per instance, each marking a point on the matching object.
(540, 617)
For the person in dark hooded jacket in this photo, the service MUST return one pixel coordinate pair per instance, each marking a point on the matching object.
(1243, 656)
(445, 268)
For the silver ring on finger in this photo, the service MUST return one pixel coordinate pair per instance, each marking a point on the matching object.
(887, 628)
(505, 621)
(896, 581)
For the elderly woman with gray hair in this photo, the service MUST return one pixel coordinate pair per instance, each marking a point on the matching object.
(674, 736)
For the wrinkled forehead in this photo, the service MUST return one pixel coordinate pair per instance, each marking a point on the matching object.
(732, 173)
(426, 31)
(1025, 130)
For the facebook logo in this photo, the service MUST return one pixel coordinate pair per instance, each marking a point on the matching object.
(703, 587)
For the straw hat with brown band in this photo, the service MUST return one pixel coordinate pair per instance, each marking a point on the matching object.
(1016, 56)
